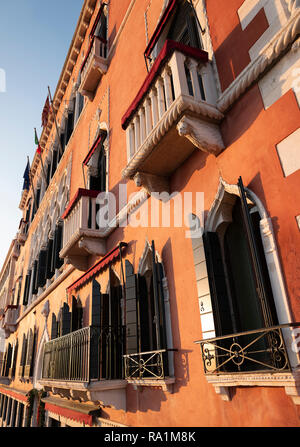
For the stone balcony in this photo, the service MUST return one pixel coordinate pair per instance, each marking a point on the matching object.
(9, 319)
(94, 67)
(82, 235)
(22, 233)
(173, 114)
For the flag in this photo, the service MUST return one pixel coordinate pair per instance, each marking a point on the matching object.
(45, 113)
(36, 140)
(26, 178)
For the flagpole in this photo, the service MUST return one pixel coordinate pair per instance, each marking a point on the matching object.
(31, 183)
(54, 116)
(40, 154)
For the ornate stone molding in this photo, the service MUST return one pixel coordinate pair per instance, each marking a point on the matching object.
(293, 5)
(151, 183)
(183, 104)
(264, 61)
(205, 136)
(290, 381)
(165, 385)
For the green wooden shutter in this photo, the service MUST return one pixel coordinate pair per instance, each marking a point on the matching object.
(34, 278)
(54, 163)
(65, 320)
(29, 354)
(26, 288)
(70, 125)
(8, 360)
(158, 312)
(161, 303)
(95, 330)
(256, 261)
(132, 346)
(41, 273)
(49, 271)
(222, 307)
(53, 327)
(57, 262)
(23, 356)
(96, 304)
(104, 335)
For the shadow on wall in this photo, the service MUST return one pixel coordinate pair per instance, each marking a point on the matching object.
(143, 399)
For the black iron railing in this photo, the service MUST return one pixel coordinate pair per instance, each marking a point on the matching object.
(146, 365)
(245, 352)
(87, 354)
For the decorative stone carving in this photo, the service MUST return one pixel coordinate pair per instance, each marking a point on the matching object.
(151, 183)
(46, 309)
(205, 136)
(181, 106)
(94, 246)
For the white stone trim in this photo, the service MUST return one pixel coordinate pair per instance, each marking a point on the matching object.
(274, 50)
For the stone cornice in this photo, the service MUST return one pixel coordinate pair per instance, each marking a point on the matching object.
(264, 61)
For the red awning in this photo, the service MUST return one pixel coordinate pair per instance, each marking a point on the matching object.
(81, 192)
(18, 395)
(98, 141)
(162, 23)
(82, 413)
(97, 19)
(108, 259)
(169, 47)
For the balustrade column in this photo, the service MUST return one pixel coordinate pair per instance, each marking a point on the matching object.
(84, 212)
(176, 63)
(166, 75)
(193, 67)
(160, 97)
(154, 106)
(136, 123)
(147, 106)
(141, 114)
(130, 141)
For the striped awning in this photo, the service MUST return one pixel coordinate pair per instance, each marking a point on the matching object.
(14, 393)
(82, 413)
(107, 260)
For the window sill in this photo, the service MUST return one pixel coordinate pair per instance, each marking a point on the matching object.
(288, 380)
(110, 393)
(165, 384)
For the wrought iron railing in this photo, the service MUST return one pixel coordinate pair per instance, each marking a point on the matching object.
(146, 365)
(245, 352)
(87, 354)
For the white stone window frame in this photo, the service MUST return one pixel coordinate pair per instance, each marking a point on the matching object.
(220, 212)
(92, 165)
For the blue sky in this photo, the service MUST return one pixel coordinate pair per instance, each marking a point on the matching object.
(35, 36)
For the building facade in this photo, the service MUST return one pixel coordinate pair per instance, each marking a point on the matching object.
(154, 279)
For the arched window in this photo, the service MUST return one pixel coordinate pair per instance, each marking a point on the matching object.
(98, 177)
(240, 288)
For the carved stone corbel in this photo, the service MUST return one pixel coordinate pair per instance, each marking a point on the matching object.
(152, 183)
(93, 246)
(204, 135)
